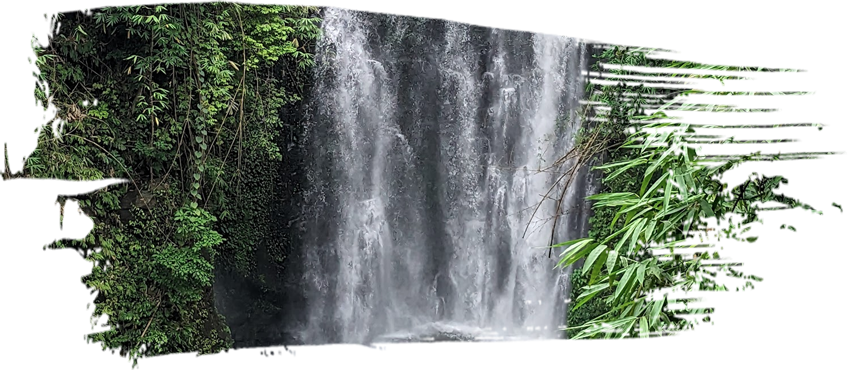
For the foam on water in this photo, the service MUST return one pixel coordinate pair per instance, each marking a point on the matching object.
(489, 345)
(330, 352)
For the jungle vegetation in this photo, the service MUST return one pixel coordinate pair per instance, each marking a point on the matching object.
(719, 239)
(134, 141)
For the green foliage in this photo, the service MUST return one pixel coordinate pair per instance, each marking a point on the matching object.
(270, 37)
(632, 86)
(184, 263)
(732, 251)
(584, 354)
(186, 101)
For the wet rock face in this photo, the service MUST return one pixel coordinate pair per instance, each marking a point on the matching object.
(145, 199)
(258, 302)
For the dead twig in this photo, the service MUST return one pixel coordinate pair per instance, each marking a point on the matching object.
(587, 149)
(149, 322)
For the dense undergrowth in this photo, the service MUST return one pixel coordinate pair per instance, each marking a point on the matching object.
(718, 238)
(188, 102)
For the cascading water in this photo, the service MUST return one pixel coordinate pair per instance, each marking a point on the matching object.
(429, 147)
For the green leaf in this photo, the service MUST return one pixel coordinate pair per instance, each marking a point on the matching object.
(706, 209)
(606, 326)
(611, 263)
(197, 176)
(624, 282)
(752, 239)
(591, 258)
(699, 309)
(588, 294)
(623, 332)
(688, 220)
(644, 328)
(772, 90)
(783, 62)
(795, 66)
(805, 99)
(575, 252)
(656, 310)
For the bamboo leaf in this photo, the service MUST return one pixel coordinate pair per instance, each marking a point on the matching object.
(591, 259)
(783, 62)
(624, 282)
(623, 332)
(644, 336)
(599, 327)
(588, 294)
(656, 310)
(805, 99)
(772, 90)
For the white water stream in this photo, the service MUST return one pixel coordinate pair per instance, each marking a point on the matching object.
(436, 138)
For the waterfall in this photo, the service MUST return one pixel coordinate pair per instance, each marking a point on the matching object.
(429, 145)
